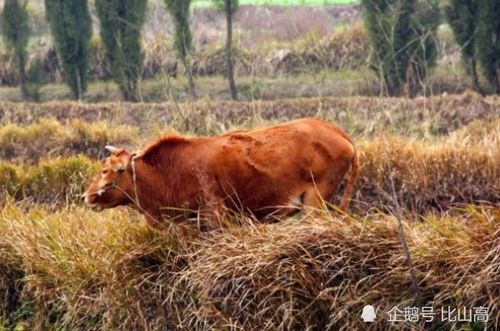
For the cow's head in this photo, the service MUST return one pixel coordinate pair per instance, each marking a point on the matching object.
(115, 183)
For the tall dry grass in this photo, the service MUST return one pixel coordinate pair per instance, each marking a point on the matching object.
(65, 267)
(432, 174)
(80, 270)
(48, 137)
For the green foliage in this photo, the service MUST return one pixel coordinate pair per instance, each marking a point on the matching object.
(488, 40)
(179, 10)
(16, 31)
(225, 4)
(424, 45)
(401, 33)
(71, 28)
(461, 15)
(121, 23)
(388, 28)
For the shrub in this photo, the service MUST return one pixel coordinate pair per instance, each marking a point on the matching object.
(49, 137)
(35, 80)
(58, 181)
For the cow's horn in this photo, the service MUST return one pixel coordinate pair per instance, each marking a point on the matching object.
(111, 149)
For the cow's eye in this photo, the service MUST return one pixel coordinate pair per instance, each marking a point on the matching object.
(104, 172)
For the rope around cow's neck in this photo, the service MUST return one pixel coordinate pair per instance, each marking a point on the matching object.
(134, 180)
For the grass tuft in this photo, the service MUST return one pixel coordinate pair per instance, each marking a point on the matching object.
(49, 137)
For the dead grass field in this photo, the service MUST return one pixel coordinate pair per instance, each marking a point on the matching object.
(63, 267)
(85, 271)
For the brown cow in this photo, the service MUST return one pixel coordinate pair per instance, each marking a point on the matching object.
(269, 171)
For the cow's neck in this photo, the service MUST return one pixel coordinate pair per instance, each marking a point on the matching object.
(155, 192)
(145, 189)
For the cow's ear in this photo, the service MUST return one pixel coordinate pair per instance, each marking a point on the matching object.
(121, 160)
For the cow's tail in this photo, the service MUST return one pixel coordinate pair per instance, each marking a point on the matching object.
(351, 182)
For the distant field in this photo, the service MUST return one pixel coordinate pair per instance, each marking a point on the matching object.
(207, 3)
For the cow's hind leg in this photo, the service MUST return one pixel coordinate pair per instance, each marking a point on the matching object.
(312, 201)
(316, 197)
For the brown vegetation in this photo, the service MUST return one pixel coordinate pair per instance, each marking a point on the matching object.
(88, 271)
(457, 170)
(48, 137)
(361, 116)
(65, 267)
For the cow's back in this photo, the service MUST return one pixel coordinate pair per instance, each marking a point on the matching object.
(280, 165)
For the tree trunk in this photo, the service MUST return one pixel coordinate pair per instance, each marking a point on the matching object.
(473, 72)
(22, 74)
(497, 79)
(229, 49)
(189, 72)
(79, 92)
(130, 90)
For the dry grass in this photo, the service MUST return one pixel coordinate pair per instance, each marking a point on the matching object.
(55, 182)
(50, 138)
(320, 273)
(85, 271)
(63, 267)
(361, 116)
(88, 270)
(429, 174)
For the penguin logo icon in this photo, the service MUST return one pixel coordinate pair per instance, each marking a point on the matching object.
(368, 314)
